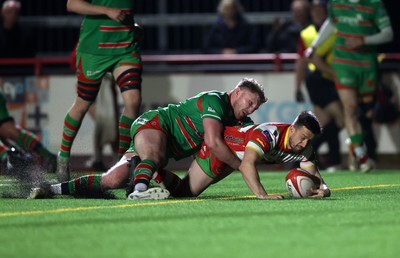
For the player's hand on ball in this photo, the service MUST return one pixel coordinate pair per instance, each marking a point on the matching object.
(320, 193)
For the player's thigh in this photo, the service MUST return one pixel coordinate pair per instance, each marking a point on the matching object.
(335, 109)
(198, 179)
(129, 61)
(152, 144)
(90, 71)
(127, 72)
(349, 99)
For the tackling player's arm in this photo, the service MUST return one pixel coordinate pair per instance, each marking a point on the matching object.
(323, 190)
(251, 177)
(213, 138)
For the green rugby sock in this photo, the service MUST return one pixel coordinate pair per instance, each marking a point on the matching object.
(70, 130)
(144, 171)
(89, 185)
(124, 127)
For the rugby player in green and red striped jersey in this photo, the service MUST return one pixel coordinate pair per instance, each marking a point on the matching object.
(108, 42)
(360, 25)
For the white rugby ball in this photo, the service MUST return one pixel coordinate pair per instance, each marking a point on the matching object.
(299, 183)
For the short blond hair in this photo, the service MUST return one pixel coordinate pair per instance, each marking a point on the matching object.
(253, 86)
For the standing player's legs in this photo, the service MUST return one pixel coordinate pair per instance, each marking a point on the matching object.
(90, 70)
(128, 76)
(350, 86)
(328, 109)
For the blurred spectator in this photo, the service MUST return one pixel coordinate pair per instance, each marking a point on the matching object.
(284, 35)
(232, 33)
(15, 40)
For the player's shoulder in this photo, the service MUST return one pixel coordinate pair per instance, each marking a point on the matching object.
(214, 97)
(213, 94)
(271, 130)
(273, 126)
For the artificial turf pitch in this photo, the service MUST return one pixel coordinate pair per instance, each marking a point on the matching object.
(360, 219)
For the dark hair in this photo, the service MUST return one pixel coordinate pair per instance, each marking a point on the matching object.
(253, 86)
(308, 120)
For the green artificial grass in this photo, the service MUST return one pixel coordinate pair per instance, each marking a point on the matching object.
(360, 219)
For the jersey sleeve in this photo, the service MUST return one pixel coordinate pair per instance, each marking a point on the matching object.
(213, 106)
(330, 13)
(261, 140)
(381, 17)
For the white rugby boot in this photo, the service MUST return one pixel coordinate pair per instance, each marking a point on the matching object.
(154, 193)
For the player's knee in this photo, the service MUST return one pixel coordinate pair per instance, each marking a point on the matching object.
(133, 99)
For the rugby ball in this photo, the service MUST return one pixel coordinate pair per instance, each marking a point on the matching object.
(299, 183)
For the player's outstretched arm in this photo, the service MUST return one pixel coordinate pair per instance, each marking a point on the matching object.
(250, 175)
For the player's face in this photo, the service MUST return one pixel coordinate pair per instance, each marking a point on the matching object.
(299, 138)
(246, 103)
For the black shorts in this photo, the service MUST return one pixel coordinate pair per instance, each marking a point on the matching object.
(322, 91)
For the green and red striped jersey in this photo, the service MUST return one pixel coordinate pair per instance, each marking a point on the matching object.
(101, 35)
(184, 121)
(356, 19)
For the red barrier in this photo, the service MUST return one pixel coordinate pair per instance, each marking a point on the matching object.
(275, 59)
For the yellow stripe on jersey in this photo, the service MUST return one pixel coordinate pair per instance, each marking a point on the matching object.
(255, 147)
